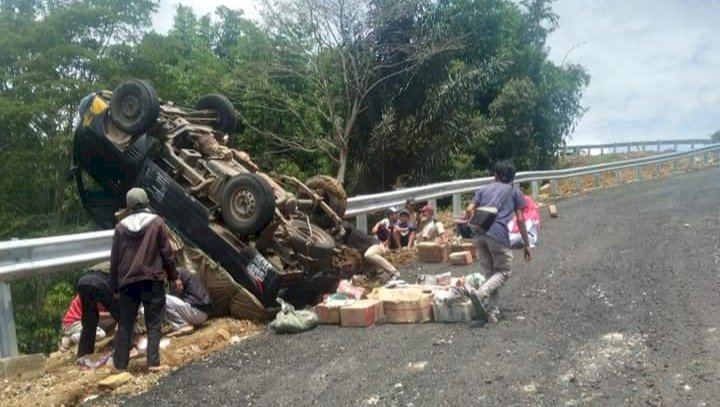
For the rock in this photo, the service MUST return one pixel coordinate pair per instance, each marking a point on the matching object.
(115, 381)
(552, 210)
(235, 340)
(23, 367)
(224, 334)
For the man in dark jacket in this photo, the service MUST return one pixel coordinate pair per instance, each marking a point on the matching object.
(94, 290)
(188, 308)
(140, 261)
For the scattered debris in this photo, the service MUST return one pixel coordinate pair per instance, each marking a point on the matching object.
(552, 210)
(417, 366)
(114, 381)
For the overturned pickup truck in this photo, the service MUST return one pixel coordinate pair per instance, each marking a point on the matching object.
(273, 233)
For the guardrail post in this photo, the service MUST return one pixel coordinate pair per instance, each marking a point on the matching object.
(706, 158)
(578, 184)
(8, 341)
(361, 222)
(433, 203)
(638, 173)
(602, 151)
(674, 165)
(691, 161)
(553, 187)
(657, 169)
(596, 180)
(618, 177)
(535, 189)
(457, 205)
(659, 146)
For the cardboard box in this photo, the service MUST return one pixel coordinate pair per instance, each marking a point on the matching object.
(432, 252)
(328, 314)
(361, 313)
(552, 209)
(461, 258)
(465, 247)
(454, 311)
(406, 305)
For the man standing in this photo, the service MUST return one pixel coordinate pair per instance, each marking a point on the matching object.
(494, 252)
(188, 308)
(140, 260)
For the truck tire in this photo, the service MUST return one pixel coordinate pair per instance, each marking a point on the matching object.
(134, 107)
(318, 244)
(248, 204)
(227, 117)
(332, 191)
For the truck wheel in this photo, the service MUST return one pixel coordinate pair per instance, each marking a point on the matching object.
(227, 117)
(332, 191)
(134, 107)
(248, 204)
(318, 244)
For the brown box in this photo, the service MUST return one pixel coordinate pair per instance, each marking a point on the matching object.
(405, 305)
(432, 252)
(328, 314)
(361, 313)
(461, 258)
(465, 247)
(552, 209)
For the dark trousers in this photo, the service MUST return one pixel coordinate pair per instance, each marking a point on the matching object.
(89, 298)
(152, 295)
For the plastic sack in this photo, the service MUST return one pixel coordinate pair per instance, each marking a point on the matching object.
(290, 321)
(532, 223)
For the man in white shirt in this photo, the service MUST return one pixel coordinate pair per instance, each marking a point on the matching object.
(430, 229)
(384, 228)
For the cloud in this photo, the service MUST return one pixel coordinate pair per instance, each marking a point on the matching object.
(655, 66)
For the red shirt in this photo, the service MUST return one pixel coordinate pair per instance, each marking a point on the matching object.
(74, 312)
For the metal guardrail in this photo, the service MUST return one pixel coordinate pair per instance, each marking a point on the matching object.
(638, 145)
(22, 258)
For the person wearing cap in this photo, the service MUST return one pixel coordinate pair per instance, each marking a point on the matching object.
(384, 228)
(430, 229)
(404, 232)
(141, 259)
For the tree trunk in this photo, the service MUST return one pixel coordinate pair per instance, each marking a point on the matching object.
(342, 165)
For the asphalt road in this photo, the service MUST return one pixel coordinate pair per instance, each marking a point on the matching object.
(618, 307)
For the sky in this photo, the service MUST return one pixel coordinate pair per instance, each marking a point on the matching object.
(654, 64)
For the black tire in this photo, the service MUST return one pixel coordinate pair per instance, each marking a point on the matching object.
(318, 245)
(333, 193)
(227, 117)
(248, 204)
(134, 107)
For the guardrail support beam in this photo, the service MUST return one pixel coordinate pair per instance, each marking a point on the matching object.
(8, 340)
(674, 165)
(706, 158)
(578, 184)
(361, 222)
(457, 205)
(535, 189)
(618, 177)
(659, 146)
(638, 173)
(657, 170)
(596, 180)
(553, 187)
(433, 203)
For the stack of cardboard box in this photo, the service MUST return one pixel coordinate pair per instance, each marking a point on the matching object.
(432, 252)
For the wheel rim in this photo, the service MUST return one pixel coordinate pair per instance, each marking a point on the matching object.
(130, 106)
(243, 204)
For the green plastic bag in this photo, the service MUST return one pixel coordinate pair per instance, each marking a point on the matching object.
(291, 321)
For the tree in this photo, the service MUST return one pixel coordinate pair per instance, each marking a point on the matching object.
(342, 63)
